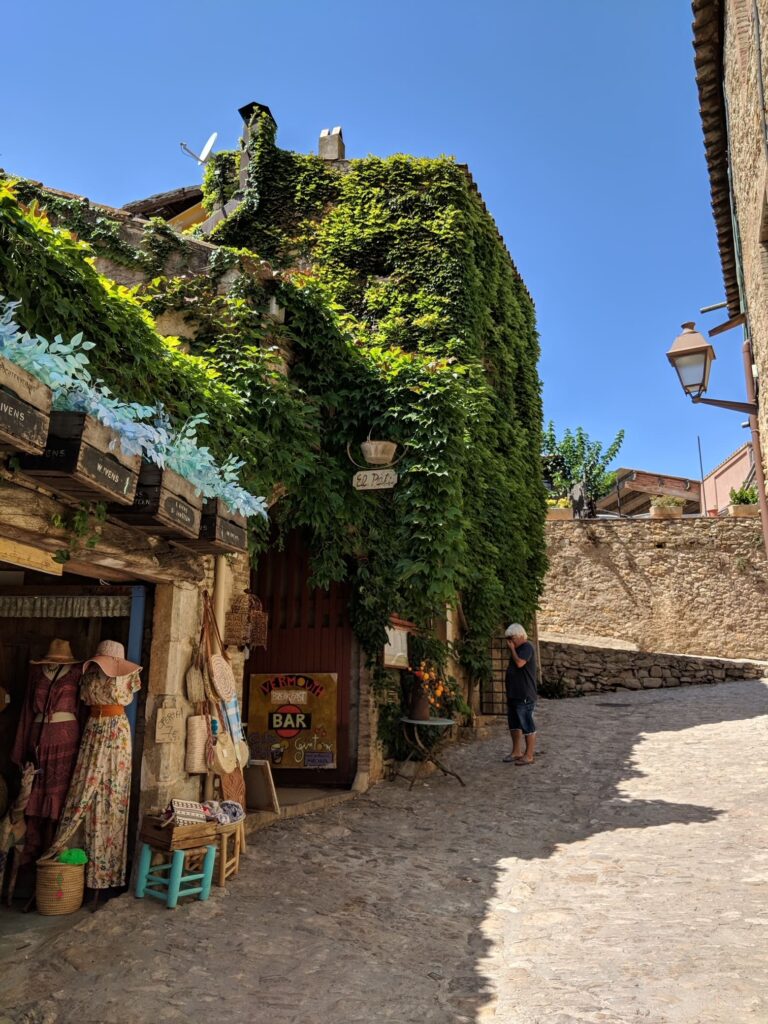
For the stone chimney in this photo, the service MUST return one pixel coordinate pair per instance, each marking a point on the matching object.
(331, 145)
(219, 214)
(247, 113)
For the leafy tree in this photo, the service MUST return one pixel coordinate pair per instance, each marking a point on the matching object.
(575, 458)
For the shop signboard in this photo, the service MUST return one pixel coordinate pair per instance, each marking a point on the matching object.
(293, 719)
(29, 557)
(396, 647)
(374, 479)
(169, 724)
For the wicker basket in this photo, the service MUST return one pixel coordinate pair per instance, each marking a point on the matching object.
(237, 630)
(60, 887)
(246, 623)
(259, 623)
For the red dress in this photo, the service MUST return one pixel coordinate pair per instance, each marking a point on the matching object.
(51, 746)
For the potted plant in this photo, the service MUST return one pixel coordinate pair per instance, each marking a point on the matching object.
(743, 503)
(435, 696)
(559, 509)
(667, 506)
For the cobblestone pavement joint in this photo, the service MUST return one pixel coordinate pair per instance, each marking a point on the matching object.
(620, 879)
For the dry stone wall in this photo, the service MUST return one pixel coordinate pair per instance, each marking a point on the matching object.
(690, 586)
(570, 668)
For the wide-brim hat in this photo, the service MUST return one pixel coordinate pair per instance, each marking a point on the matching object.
(110, 657)
(59, 653)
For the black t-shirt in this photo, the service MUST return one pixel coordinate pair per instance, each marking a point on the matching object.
(521, 682)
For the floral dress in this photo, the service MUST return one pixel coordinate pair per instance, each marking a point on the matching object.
(101, 785)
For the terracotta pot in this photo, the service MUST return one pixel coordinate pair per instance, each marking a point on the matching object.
(378, 453)
(419, 706)
(559, 514)
(744, 511)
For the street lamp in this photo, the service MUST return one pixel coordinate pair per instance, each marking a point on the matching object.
(692, 356)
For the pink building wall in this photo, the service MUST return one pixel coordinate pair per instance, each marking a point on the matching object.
(729, 474)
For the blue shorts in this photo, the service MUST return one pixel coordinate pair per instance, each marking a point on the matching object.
(520, 715)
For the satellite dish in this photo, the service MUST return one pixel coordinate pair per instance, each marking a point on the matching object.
(205, 153)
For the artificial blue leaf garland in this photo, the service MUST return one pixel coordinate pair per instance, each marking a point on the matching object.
(144, 429)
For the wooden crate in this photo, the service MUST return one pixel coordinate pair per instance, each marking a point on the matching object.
(165, 504)
(177, 837)
(221, 530)
(84, 460)
(25, 410)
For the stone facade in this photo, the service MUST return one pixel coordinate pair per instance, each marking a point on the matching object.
(175, 631)
(574, 668)
(685, 586)
(749, 175)
(730, 39)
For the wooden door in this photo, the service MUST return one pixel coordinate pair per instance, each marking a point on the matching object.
(309, 632)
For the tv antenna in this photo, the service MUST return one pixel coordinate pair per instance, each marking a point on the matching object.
(205, 152)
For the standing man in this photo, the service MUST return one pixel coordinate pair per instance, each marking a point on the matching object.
(521, 695)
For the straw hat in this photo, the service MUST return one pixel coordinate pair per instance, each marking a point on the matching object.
(59, 653)
(110, 657)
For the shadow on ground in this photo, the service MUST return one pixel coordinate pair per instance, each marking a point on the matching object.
(373, 912)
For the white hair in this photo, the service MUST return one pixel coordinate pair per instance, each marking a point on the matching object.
(515, 630)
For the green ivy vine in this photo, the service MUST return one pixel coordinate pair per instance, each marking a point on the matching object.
(83, 528)
(405, 317)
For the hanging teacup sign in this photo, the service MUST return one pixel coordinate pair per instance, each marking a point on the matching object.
(378, 475)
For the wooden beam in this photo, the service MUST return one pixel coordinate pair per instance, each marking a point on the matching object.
(735, 321)
(657, 483)
(26, 516)
(634, 503)
(674, 490)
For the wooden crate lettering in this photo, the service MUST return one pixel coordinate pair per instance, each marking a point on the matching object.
(83, 459)
(166, 504)
(221, 530)
(25, 405)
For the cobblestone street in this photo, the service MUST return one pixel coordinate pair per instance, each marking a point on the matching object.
(622, 878)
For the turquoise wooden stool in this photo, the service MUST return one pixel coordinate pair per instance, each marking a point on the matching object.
(168, 881)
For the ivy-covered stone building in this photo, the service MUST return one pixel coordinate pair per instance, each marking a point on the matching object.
(304, 303)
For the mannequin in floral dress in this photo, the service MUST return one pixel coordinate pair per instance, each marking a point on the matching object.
(48, 736)
(100, 792)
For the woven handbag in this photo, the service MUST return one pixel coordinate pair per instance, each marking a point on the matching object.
(219, 669)
(196, 760)
(224, 754)
(233, 786)
(194, 679)
(186, 812)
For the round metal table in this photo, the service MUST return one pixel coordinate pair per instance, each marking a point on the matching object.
(426, 747)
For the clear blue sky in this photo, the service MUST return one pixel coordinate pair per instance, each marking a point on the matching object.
(578, 118)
